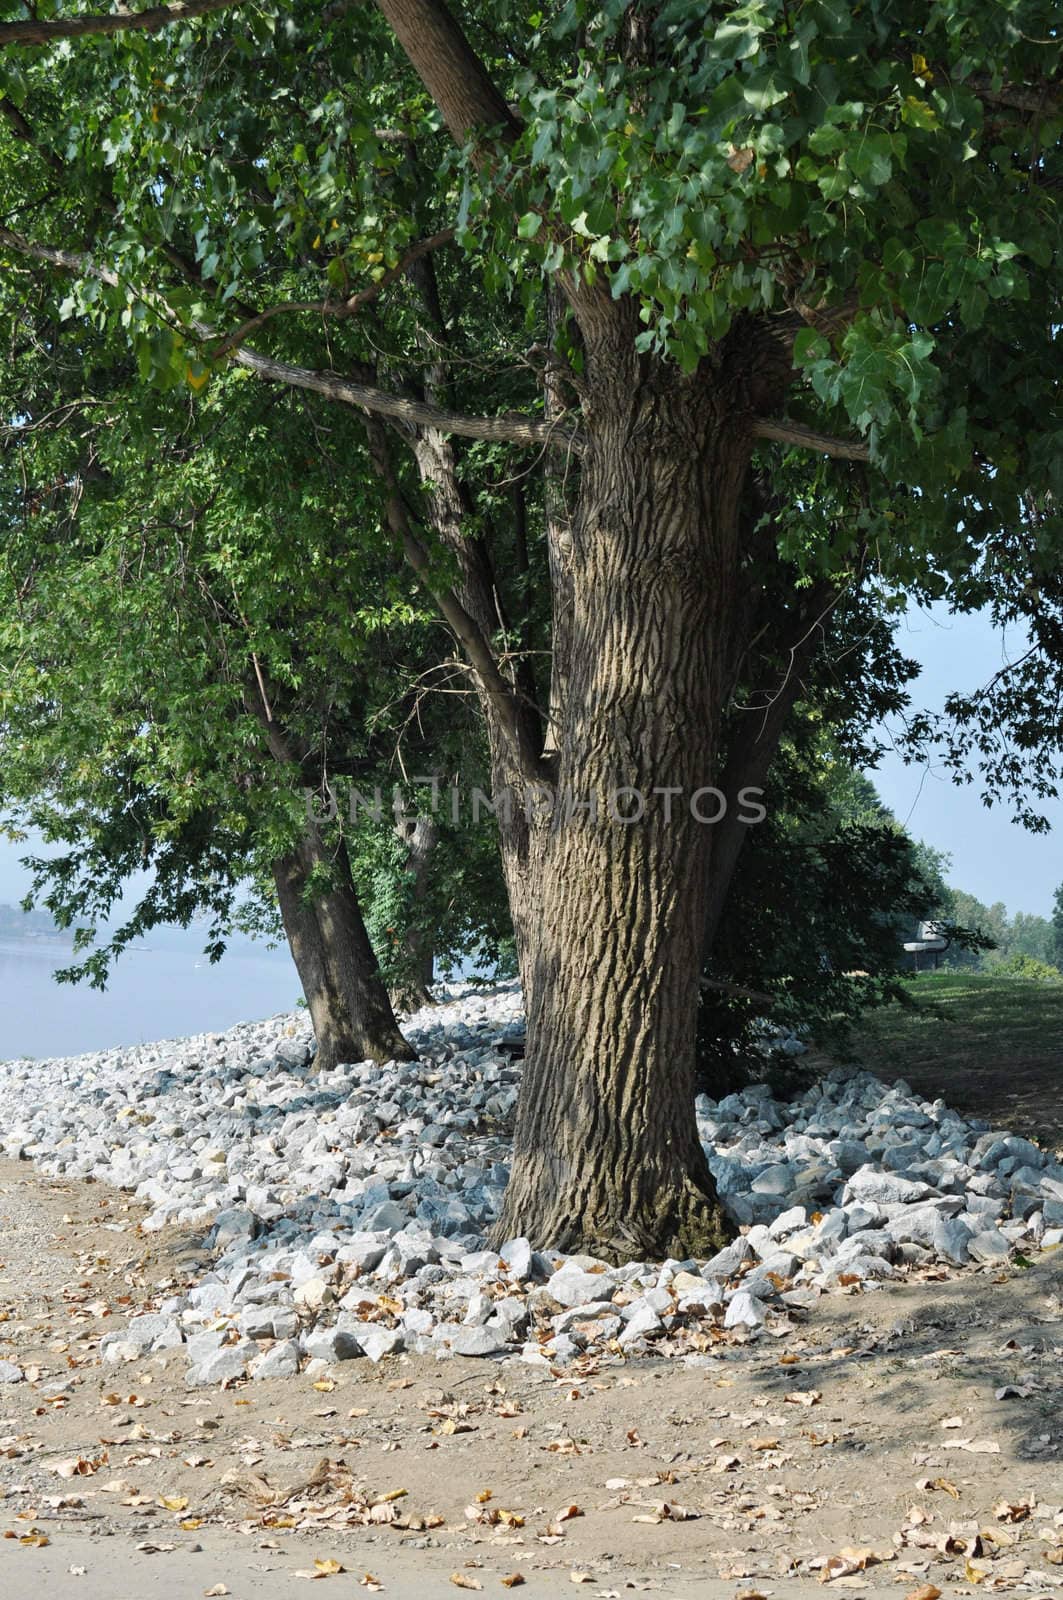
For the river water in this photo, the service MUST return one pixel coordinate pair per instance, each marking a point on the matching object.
(155, 992)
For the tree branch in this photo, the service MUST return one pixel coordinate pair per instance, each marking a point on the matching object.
(755, 738)
(469, 635)
(783, 431)
(1036, 99)
(336, 308)
(513, 427)
(33, 32)
(449, 67)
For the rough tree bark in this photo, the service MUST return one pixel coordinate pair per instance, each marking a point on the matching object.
(346, 997)
(349, 1006)
(606, 1154)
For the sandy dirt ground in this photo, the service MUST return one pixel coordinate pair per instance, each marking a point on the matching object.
(910, 1437)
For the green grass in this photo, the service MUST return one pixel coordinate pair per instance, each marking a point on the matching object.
(963, 1017)
(990, 1046)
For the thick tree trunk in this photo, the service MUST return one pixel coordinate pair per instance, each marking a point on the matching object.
(348, 1003)
(606, 1155)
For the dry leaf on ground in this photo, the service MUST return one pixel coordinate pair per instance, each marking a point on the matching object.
(851, 1559)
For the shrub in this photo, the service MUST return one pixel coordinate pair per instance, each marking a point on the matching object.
(1023, 966)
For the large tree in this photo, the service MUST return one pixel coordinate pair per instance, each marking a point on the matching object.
(172, 687)
(833, 226)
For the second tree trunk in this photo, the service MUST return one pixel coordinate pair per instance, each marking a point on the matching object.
(348, 1003)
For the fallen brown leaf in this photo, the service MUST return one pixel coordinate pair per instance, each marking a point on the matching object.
(852, 1559)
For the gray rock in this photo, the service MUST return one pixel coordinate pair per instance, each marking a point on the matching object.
(332, 1344)
(389, 1218)
(884, 1188)
(709, 1297)
(849, 1154)
(235, 1226)
(642, 1321)
(154, 1331)
(202, 1345)
(280, 1362)
(477, 1341)
(518, 1254)
(990, 1246)
(779, 1179)
(593, 1311)
(726, 1262)
(268, 1322)
(378, 1342)
(509, 1316)
(364, 1250)
(565, 1349)
(227, 1363)
(115, 1349)
(11, 1372)
(743, 1311)
(210, 1297)
(788, 1222)
(782, 1264)
(571, 1286)
(859, 1266)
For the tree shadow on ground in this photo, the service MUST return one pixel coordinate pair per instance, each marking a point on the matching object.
(987, 1332)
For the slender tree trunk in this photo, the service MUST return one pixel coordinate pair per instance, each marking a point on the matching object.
(755, 736)
(348, 1003)
(419, 835)
(606, 1154)
(478, 593)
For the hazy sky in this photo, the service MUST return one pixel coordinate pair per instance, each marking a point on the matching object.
(991, 857)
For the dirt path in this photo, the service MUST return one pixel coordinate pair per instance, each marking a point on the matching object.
(787, 1450)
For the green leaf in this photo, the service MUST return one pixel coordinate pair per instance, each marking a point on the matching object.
(919, 114)
(764, 89)
(810, 346)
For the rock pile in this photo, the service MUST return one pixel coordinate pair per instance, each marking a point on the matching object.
(349, 1210)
